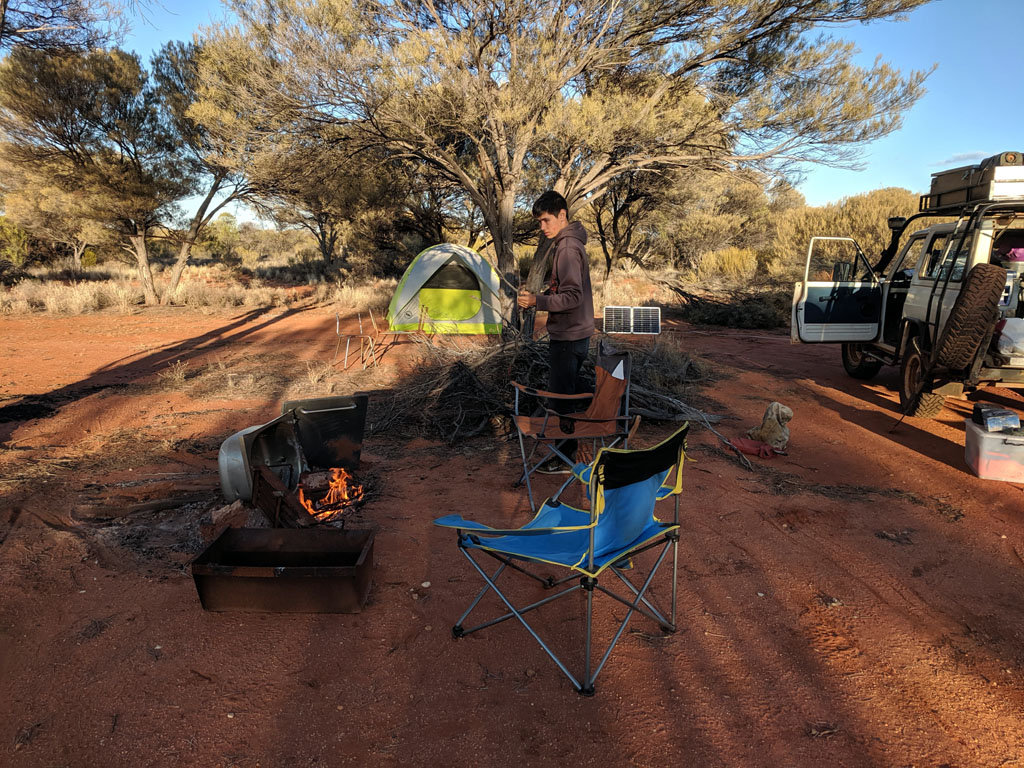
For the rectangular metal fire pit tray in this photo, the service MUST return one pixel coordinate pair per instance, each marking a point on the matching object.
(286, 570)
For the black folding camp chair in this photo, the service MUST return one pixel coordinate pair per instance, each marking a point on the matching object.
(624, 486)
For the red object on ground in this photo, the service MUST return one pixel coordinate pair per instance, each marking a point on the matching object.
(752, 447)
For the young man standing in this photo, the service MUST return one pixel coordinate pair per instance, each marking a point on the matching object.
(568, 301)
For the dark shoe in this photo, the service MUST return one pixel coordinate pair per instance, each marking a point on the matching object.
(553, 466)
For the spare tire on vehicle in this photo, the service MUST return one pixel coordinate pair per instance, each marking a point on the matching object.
(974, 313)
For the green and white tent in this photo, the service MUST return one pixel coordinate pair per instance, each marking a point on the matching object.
(451, 288)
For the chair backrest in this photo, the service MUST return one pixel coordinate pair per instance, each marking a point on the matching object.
(611, 390)
(624, 487)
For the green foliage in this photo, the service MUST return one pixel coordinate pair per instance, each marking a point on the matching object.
(730, 262)
(862, 217)
(89, 123)
(246, 245)
(59, 25)
(14, 243)
(490, 96)
(711, 224)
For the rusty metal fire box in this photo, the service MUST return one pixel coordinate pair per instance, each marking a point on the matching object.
(286, 570)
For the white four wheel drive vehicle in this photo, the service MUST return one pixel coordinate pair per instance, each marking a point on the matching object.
(932, 301)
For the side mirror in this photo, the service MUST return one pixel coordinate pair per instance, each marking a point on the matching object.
(896, 222)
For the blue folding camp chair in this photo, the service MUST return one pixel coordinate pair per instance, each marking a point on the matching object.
(623, 486)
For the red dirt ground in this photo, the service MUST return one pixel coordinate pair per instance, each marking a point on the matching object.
(855, 603)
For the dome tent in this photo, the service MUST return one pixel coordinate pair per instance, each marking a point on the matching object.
(451, 288)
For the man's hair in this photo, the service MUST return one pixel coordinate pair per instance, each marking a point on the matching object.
(550, 202)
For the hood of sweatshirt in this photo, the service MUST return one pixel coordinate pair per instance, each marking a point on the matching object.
(574, 230)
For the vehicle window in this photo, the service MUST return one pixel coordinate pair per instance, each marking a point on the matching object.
(1008, 245)
(933, 260)
(837, 260)
(959, 261)
(904, 269)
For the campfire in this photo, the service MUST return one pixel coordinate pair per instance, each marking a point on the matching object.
(337, 490)
(298, 468)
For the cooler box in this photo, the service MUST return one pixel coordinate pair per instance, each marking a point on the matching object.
(994, 455)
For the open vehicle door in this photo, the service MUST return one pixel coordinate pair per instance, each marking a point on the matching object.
(840, 298)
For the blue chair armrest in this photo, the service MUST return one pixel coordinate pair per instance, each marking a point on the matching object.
(470, 526)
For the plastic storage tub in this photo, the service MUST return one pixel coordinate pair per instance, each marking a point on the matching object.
(994, 455)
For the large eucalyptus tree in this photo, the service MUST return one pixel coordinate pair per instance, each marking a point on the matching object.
(584, 91)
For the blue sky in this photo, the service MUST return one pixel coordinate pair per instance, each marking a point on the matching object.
(973, 107)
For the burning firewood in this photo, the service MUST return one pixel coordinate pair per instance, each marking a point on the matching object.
(329, 493)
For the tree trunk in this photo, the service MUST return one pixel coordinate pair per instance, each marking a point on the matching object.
(77, 249)
(535, 279)
(145, 272)
(199, 220)
(176, 271)
(507, 266)
(326, 238)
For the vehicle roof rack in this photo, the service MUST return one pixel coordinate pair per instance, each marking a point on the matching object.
(999, 178)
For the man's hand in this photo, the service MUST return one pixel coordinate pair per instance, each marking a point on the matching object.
(526, 300)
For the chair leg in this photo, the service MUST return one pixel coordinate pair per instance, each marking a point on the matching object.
(565, 485)
(634, 606)
(653, 612)
(553, 451)
(675, 559)
(518, 615)
(639, 604)
(587, 689)
(526, 471)
(457, 629)
(675, 575)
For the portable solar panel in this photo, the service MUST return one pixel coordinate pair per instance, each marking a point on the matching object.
(647, 320)
(632, 320)
(618, 319)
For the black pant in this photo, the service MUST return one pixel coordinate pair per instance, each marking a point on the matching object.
(565, 362)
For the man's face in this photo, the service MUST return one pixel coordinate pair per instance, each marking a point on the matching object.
(551, 225)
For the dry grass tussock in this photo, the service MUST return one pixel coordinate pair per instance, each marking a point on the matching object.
(124, 296)
(199, 294)
(69, 299)
(112, 270)
(262, 376)
(267, 377)
(373, 295)
(630, 288)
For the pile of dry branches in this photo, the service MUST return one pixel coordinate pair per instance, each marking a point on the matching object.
(458, 393)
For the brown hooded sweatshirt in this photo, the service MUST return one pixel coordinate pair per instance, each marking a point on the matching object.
(569, 301)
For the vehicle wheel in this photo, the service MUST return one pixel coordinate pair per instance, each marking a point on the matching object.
(858, 364)
(913, 400)
(973, 314)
